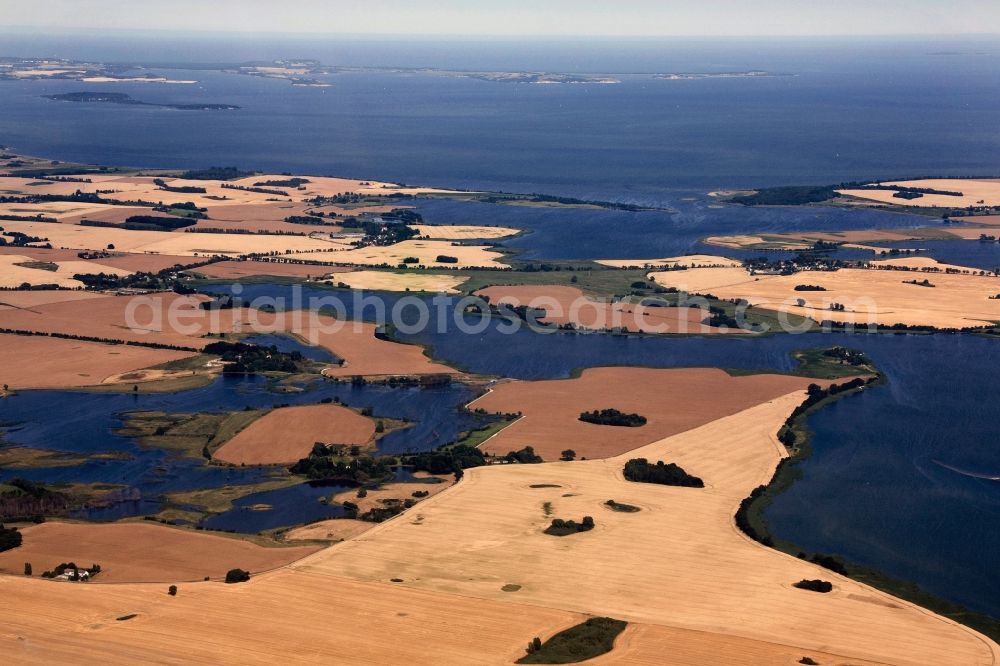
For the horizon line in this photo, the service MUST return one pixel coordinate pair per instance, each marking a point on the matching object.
(35, 29)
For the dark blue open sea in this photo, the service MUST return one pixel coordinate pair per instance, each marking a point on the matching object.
(903, 476)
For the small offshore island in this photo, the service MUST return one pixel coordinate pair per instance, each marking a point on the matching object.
(122, 98)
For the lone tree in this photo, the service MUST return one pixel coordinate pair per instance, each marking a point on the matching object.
(172, 590)
(237, 576)
(568, 454)
(27, 568)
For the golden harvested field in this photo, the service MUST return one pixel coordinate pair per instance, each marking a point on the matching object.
(409, 281)
(671, 400)
(135, 188)
(114, 261)
(463, 232)
(289, 617)
(376, 497)
(564, 305)
(973, 233)
(326, 186)
(709, 597)
(240, 269)
(105, 317)
(426, 251)
(44, 362)
(142, 552)
(689, 260)
(646, 645)
(288, 434)
(743, 241)
(852, 238)
(16, 270)
(257, 212)
(267, 226)
(175, 243)
(335, 529)
(366, 355)
(30, 299)
(985, 220)
(679, 562)
(869, 296)
(974, 193)
(107, 213)
(68, 211)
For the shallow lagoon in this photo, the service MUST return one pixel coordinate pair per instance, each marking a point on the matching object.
(88, 420)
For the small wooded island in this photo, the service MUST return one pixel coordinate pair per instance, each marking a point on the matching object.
(122, 98)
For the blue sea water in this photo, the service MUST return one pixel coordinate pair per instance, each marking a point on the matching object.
(881, 488)
(846, 110)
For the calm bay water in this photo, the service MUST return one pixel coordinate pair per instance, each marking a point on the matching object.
(846, 110)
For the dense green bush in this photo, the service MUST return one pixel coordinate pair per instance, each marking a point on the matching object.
(668, 474)
(815, 585)
(585, 641)
(560, 527)
(613, 417)
(237, 576)
(10, 538)
(525, 456)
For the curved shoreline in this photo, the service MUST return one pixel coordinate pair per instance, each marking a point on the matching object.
(786, 474)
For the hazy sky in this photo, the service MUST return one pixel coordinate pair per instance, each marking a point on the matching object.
(518, 17)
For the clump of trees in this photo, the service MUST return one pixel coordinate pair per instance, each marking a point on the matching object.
(237, 576)
(668, 474)
(452, 459)
(145, 223)
(404, 215)
(620, 507)
(73, 569)
(809, 287)
(719, 318)
(325, 464)
(286, 182)
(825, 561)
(446, 259)
(185, 189)
(849, 356)
(613, 417)
(378, 514)
(216, 173)
(787, 196)
(10, 537)
(815, 585)
(560, 527)
(525, 456)
(587, 640)
(308, 219)
(26, 499)
(242, 359)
